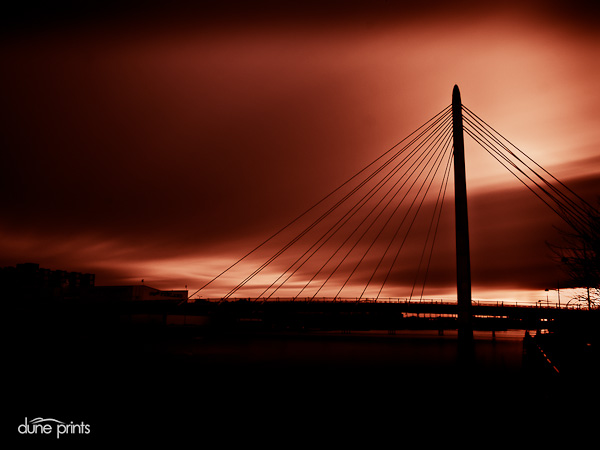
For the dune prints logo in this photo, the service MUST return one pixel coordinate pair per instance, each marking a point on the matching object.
(40, 426)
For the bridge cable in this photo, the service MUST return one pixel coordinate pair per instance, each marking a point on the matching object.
(499, 157)
(322, 217)
(438, 165)
(339, 225)
(552, 187)
(435, 118)
(439, 202)
(571, 213)
(523, 153)
(574, 214)
(372, 222)
(394, 212)
(430, 147)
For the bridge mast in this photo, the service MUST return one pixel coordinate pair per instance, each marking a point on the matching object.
(463, 259)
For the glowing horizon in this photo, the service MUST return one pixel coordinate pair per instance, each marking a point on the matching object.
(167, 153)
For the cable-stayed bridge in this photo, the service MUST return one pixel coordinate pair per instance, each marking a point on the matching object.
(357, 261)
(374, 236)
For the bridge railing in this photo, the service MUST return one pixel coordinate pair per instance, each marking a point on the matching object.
(406, 300)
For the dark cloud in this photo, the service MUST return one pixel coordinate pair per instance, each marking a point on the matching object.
(34, 15)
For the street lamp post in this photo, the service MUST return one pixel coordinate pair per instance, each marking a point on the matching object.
(557, 293)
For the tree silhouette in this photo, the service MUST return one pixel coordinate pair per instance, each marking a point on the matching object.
(579, 256)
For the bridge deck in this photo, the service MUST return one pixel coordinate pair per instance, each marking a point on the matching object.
(326, 315)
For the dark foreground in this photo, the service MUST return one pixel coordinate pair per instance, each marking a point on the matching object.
(141, 384)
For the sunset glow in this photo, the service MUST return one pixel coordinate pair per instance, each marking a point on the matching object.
(166, 151)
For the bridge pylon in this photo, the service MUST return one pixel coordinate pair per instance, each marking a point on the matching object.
(463, 258)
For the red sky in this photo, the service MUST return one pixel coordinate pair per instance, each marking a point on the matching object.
(164, 145)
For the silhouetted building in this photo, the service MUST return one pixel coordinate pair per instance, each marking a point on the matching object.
(137, 293)
(29, 281)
